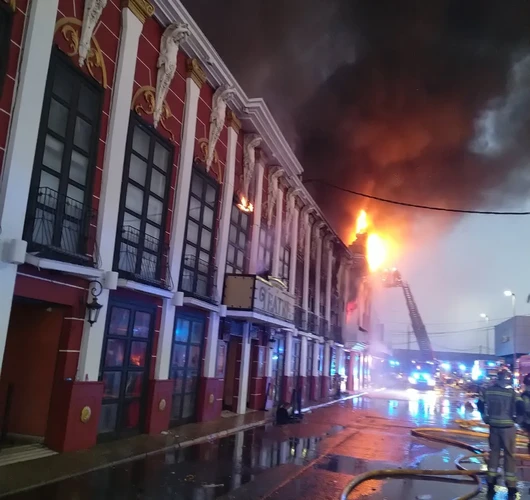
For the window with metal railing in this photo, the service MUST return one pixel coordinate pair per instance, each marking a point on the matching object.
(141, 254)
(285, 263)
(265, 248)
(60, 221)
(238, 236)
(198, 272)
(6, 23)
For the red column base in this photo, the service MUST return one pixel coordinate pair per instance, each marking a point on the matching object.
(210, 402)
(326, 384)
(158, 406)
(266, 391)
(257, 399)
(315, 388)
(287, 389)
(74, 415)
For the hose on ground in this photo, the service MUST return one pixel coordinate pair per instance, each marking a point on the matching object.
(436, 434)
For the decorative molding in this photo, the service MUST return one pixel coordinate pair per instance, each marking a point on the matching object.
(250, 143)
(69, 28)
(233, 121)
(217, 119)
(142, 9)
(291, 206)
(304, 224)
(195, 72)
(91, 17)
(143, 102)
(170, 42)
(204, 148)
(12, 4)
(273, 192)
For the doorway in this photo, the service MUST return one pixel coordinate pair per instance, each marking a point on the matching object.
(125, 369)
(278, 369)
(231, 374)
(185, 366)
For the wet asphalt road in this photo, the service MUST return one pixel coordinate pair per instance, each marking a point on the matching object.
(311, 460)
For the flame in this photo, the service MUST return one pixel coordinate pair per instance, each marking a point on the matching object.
(361, 225)
(245, 206)
(377, 246)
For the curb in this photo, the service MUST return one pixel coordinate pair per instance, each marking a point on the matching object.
(183, 444)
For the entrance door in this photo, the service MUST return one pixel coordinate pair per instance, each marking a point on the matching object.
(277, 369)
(125, 369)
(185, 367)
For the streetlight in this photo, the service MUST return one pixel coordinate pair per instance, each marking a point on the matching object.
(509, 293)
(486, 318)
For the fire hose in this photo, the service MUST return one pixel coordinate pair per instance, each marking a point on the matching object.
(455, 475)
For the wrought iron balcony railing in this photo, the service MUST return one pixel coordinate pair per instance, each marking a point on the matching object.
(300, 318)
(335, 333)
(143, 258)
(198, 278)
(62, 228)
(312, 322)
(324, 327)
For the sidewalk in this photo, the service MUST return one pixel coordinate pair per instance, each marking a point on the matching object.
(30, 474)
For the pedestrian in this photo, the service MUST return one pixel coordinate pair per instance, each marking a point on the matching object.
(499, 405)
(526, 399)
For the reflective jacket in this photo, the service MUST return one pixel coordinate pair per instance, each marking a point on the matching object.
(499, 404)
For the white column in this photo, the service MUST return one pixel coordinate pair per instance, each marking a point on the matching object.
(268, 363)
(303, 355)
(307, 260)
(346, 296)
(277, 232)
(92, 341)
(327, 359)
(316, 354)
(288, 357)
(294, 251)
(178, 224)
(21, 143)
(318, 267)
(244, 370)
(329, 250)
(256, 217)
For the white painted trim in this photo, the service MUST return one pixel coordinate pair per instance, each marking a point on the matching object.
(256, 226)
(200, 304)
(316, 352)
(165, 340)
(294, 251)
(244, 371)
(318, 268)
(65, 267)
(117, 137)
(303, 356)
(57, 282)
(148, 289)
(327, 309)
(258, 317)
(277, 230)
(210, 358)
(288, 355)
(307, 262)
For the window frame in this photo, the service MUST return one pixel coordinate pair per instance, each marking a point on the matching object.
(136, 121)
(237, 248)
(59, 59)
(6, 29)
(266, 245)
(285, 263)
(208, 180)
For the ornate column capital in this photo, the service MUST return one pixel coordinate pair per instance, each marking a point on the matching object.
(233, 121)
(195, 72)
(142, 9)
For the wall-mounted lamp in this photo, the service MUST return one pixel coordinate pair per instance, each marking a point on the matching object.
(94, 307)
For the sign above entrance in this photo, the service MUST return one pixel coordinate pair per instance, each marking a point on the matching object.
(252, 293)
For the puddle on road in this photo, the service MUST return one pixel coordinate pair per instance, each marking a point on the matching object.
(204, 471)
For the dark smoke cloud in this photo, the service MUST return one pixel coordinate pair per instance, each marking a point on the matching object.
(421, 101)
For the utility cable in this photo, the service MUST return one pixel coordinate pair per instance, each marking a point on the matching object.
(411, 205)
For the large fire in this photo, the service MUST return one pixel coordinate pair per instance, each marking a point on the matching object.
(377, 246)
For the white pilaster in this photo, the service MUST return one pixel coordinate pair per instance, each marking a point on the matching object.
(268, 363)
(318, 267)
(327, 359)
(277, 232)
(288, 355)
(346, 296)
(21, 142)
(245, 370)
(92, 341)
(303, 355)
(256, 218)
(329, 251)
(307, 260)
(316, 354)
(294, 251)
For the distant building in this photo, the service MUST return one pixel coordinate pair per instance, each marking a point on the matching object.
(504, 337)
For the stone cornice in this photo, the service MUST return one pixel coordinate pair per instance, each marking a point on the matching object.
(142, 9)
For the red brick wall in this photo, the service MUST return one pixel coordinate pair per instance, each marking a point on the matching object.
(238, 184)
(7, 97)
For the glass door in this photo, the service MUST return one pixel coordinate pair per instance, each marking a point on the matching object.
(277, 369)
(125, 369)
(185, 367)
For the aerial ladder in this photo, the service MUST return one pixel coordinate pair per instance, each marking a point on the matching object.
(392, 279)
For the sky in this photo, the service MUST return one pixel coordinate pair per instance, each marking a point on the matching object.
(421, 102)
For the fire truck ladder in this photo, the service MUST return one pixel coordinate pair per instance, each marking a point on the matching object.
(394, 279)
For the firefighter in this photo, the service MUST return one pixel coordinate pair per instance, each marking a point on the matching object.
(498, 405)
(526, 398)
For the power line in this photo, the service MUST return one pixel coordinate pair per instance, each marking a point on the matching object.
(412, 205)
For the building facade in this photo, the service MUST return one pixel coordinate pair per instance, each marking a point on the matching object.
(161, 260)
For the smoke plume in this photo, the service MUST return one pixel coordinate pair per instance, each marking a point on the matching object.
(423, 102)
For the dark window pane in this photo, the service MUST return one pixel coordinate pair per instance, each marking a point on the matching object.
(244, 221)
(134, 199)
(179, 356)
(119, 321)
(158, 183)
(194, 359)
(137, 169)
(206, 239)
(58, 118)
(235, 214)
(111, 384)
(182, 330)
(196, 185)
(135, 383)
(141, 142)
(138, 352)
(193, 232)
(88, 102)
(78, 168)
(191, 382)
(115, 353)
(230, 256)
(155, 210)
(176, 407)
(195, 208)
(197, 332)
(82, 134)
(53, 153)
(242, 240)
(179, 382)
(161, 157)
(188, 408)
(131, 414)
(107, 420)
(207, 219)
(142, 324)
(232, 235)
(62, 84)
(210, 195)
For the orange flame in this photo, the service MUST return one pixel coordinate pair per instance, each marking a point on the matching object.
(377, 246)
(245, 206)
(361, 224)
